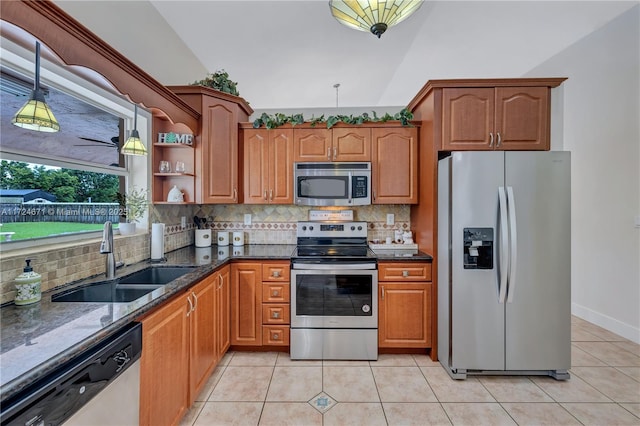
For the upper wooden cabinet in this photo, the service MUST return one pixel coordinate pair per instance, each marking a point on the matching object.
(500, 118)
(217, 147)
(336, 144)
(394, 165)
(267, 166)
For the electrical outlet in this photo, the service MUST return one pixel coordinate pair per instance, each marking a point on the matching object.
(247, 219)
(183, 222)
(391, 219)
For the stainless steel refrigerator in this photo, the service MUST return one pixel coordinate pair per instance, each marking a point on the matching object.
(504, 263)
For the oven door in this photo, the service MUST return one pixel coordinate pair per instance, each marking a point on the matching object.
(334, 296)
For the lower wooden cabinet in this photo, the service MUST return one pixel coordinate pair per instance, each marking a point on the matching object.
(404, 305)
(182, 342)
(260, 313)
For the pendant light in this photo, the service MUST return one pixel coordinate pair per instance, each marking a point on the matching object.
(133, 145)
(372, 15)
(35, 114)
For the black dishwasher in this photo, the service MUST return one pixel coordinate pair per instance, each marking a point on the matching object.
(57, 396)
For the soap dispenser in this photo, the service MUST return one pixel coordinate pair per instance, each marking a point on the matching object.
(27, 286)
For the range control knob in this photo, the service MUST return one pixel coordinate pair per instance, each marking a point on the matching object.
(311, 228)
(304, 228)
(359, 228)
(366, 308)
(353, 228)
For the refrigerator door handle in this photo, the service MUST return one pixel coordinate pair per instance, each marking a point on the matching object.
(504, 244)
(513, 249)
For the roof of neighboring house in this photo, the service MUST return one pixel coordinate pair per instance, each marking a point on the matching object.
(16, 192)
(27, 194)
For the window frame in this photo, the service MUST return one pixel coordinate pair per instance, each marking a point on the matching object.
(62, 78)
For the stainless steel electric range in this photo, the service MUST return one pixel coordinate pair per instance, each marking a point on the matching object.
(334, 293)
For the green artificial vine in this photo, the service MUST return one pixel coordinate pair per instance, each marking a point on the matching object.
(219, 80)
(279, 119)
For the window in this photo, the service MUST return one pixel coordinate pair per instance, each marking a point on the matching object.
(71, 176)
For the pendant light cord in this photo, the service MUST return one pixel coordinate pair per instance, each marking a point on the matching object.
(36, 83)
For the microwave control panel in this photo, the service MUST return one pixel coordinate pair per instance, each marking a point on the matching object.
(359, 189)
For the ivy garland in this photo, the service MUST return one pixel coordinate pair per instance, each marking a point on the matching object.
(279, 119)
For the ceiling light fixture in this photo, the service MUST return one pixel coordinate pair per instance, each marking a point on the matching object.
(372, 15)
(133, 145)
(36, 114)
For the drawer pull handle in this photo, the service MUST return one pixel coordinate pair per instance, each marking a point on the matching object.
(405, 273)
(190, 305)
(275, 293)
(276, 315)
(276, 336)
(275, 274)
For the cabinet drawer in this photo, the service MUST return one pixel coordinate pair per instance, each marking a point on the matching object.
(275, 272)
(275, 292)
(404, 271)
(275, 335)
(275, 313)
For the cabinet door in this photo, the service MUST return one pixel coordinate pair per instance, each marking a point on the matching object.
(312, 145)
(203, 339)
(219, 153)
(404, 315)
(351, 144)
(255, 166)
(522, 118)
(164, 368)
(468, 119)
(395, 165)
(223, 298)
(280, 166)
(246, 304)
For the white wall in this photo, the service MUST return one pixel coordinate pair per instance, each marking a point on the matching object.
(602, 130)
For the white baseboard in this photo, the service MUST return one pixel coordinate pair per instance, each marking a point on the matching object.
(613, 325)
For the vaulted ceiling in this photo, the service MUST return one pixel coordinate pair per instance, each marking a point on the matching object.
(286, 54)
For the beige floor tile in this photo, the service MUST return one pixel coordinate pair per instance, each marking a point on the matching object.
(285, 360)
(242, 384)
(477, 414)
(349, 384)
(402, 384)
(415, 413)
(255, 359)
(290, 414)
(393, 360)
(211, 383)
(573, 390)
(338, 363)
(447, 389)
(601, 414)
(533, 413)
(425, 361)
(630, 346)
(191, 415)
(632, 408)
(355, 414)
(579, 334)
(610, 353)
(295, 384)
(229, 413)
(611, 382)
(633, 372)
(580, 358)
(600, 332)
(514, 389)
(226, 359)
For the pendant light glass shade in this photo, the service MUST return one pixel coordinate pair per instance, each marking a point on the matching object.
(36, 114)
(372, 15)
(133, 145)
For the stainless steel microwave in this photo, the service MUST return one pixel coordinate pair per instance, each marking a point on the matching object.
(332, 184)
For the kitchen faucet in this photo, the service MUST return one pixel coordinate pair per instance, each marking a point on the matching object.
(106, 247)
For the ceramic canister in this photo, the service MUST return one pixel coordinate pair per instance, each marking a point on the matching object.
(223, 238)
(203, 237)
(238, 238)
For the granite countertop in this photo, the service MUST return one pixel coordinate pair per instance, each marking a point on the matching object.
(38, 338)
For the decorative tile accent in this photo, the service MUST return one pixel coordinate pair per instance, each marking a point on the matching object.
(322, 402)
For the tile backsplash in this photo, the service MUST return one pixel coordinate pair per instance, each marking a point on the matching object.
(61, 264)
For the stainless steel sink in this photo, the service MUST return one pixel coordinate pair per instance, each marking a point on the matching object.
(156, 275)
(125, 289)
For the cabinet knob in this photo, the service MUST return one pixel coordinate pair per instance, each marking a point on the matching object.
(275, 274)
(276, 315)
(276, 336)
(405, 273)
(275, 293)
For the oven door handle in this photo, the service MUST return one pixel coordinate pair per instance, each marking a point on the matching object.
(334, 266)
(350, 189)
